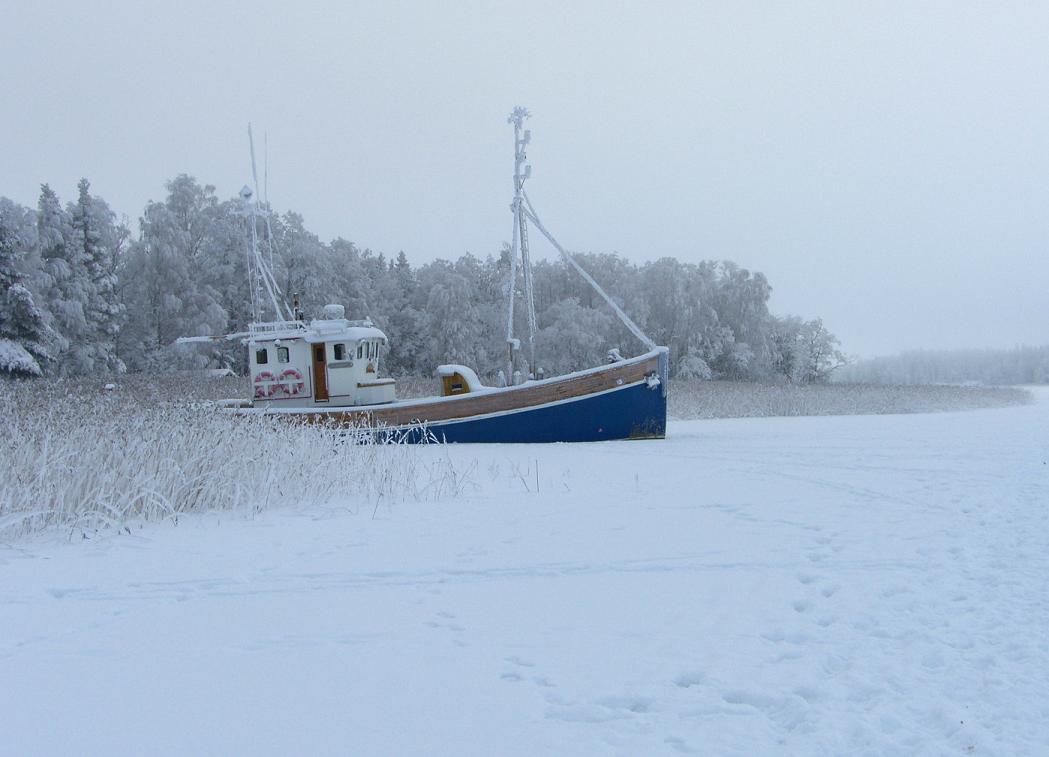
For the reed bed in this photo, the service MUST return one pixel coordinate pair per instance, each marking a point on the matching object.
(723, 399)
(76, 455)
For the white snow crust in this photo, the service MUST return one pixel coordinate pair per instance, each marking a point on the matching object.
(765, 586)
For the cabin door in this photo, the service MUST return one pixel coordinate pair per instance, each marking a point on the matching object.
(320, 374)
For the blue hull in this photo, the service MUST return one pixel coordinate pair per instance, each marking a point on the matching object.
(634, 412)
(626, 399)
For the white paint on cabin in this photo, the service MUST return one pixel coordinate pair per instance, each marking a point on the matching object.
(293, 364)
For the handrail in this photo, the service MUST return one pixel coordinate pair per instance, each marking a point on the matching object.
(256, 328)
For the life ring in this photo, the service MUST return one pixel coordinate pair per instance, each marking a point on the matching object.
(291, 382)
(265, 385)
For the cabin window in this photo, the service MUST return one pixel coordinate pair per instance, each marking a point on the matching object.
(371, 346)
(360, 350)
(282, 355)
(340, 351)
(261, 357)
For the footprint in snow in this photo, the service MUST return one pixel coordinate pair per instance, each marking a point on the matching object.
(690, 679)
(792, 637)
(679, 744)
(515, 660)
(579, 713)
(442, 623)
(635, 704)
(519, 675)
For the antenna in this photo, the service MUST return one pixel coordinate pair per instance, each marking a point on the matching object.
(260, 274)
(254, 173)
(266, 194)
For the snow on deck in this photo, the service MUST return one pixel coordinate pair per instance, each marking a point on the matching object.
(833, 585)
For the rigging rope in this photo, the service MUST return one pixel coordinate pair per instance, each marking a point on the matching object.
(529, 211)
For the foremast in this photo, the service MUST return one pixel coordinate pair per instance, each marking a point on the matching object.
(519, 245)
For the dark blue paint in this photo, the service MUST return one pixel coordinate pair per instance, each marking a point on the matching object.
(637, 411)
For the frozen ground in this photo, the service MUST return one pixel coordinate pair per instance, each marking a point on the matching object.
(828, 585)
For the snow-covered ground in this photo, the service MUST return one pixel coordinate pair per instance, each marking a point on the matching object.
(828, 585)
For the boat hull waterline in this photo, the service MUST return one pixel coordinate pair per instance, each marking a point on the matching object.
(622, 400)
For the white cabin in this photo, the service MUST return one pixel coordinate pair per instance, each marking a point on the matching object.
(328, 362)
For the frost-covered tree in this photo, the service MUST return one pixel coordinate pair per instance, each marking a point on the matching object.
(24, 333)
(820, 354)
(566, 342)
(804, 352)
(785, 341)
(353, 281)
(65, 285)
(163, 281)
(454, 328)
(97, 239)
(694, 367)
(740, 299)
(396, 314)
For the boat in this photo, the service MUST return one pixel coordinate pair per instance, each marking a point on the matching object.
(327, 369)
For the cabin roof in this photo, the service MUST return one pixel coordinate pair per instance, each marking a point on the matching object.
(334, 330)
(339, 330)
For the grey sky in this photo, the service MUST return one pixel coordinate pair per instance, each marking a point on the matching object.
(884, 164)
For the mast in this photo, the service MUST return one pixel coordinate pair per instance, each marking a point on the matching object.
(260, 275)
(519, 246)
(524, 213)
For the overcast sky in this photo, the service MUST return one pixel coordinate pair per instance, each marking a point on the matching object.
(885, 165)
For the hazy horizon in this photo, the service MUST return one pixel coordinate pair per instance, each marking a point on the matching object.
(884, 167)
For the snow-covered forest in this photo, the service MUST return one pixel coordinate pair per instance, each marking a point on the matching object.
(82, 293)
(1020, 365)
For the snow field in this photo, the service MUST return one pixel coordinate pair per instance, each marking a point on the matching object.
(830, 585)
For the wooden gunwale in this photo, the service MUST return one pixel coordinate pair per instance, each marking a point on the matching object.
(464, 406)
